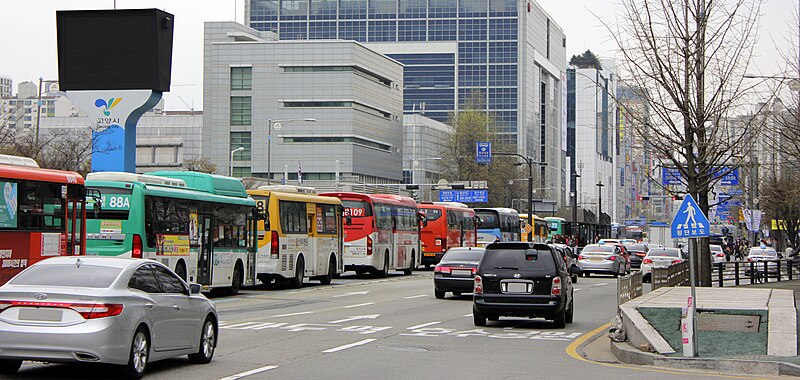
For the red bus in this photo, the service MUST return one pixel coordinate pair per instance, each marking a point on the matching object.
(381, 233)
(42, 214)
(448, 224)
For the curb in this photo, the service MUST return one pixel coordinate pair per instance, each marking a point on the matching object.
(630, 355)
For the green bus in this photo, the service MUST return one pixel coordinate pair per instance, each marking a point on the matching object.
(202, 226)
(556, 225)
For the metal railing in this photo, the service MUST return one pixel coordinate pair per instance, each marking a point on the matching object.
(735, 273)
(629, 287)
(673, 275)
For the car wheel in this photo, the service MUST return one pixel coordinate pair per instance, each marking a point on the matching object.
(139, 354)
(410, 269)
(297, 280)
(439, 294)
(236, 282)
(9, 366)
(570, 311)
(326, 280)
(208, 342)
(559, 320)
(477, 318)
(383, 273)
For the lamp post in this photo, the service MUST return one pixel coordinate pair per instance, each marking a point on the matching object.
(528, 161)
(600, 205)
(230, 169)
(574, 195)
(276, 124)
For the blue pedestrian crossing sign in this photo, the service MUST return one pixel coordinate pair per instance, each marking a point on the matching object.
(689, 221)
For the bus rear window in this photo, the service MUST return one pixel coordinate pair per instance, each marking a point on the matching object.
(431, 214)
(116, 203)
(356, 208)
(488, 220)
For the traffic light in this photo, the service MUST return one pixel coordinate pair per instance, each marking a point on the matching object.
(677, 197)
(644, 197)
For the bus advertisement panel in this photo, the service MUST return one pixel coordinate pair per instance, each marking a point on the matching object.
(381, 233)
(300, 236)
(446, 225)
(42, 214)
(497, 224)
(204, 232)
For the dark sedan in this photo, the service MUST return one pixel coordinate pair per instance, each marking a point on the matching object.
(456, 270)
(637, 254)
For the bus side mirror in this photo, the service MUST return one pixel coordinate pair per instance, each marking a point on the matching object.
(478, 221)
(348, 221)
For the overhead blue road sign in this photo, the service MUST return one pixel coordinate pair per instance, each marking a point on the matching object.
(483, 152)
(729, 179)
(670, 176)
(473, 196)
(689, 221)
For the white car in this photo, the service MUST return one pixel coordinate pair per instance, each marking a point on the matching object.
(717, 254)
(659, 257)
(758, 255)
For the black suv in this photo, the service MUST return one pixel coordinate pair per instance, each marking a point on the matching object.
(516, 279)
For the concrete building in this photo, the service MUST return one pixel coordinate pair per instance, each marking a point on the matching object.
(510, 52)
(353, 93)
(592, 137)
(425, 142)
(6, 86)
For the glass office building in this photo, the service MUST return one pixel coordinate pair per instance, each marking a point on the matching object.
(508, 51)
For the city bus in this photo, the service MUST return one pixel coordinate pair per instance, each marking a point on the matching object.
(446, 225)
(300, 236)
(42, 214)
(200, 225)
(381, 233)
(556, 226)
(539, 228)
(497, 224)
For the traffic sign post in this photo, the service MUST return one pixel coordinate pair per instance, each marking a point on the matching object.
(483, 152)
(690, 222)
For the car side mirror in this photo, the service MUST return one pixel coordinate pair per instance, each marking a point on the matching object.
(194, 288)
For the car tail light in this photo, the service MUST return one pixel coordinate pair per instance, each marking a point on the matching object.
(555, 289)
(437, 242)
(274, 245)
(647, 261)
(581, 257)
(478, 285)
(136, 251)
(474, 270)
(441, 269)
(677, 261)
(86, 310)
(369, 246)
(641, 254)
(611, 258)
(749, 260)
(720, 255)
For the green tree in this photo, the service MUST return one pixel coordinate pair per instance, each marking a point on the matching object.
(587, 60)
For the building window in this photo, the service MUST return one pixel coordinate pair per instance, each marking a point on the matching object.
(323, 10)
(241, 78)
(442, 30)
(382, 31)
(241, 140)
(242, 171)
(411, 30)
(241, 110)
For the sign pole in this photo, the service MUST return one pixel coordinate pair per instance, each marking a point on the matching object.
(692, 300)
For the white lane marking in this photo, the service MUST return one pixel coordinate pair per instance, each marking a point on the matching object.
(423, 325)
(292, 314)
(410, 297)
(351, 345)
(238, 325)
(359, 305)
(356, 317)
(351, 294)
(600, 284)
(468, 315)
(248, 373)
(576, 289)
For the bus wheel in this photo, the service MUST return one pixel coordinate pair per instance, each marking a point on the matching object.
(236, 282)
(180, 270)
(383, 273)
(326, 280)
(410, 269)
(297, 281)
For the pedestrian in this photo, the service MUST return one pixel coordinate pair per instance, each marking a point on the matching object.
(791, 257)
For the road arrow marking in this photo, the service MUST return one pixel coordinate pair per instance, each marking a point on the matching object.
(351, 294)
(359, 305)
(356, 317)
(351, 345)
(248, 373)
(423, 325)
(292, 314)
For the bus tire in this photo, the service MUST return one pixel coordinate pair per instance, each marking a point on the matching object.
(297, 281)
(408, 271)
(326, 280)
(236, 281)
(383, 273)
(180, 270)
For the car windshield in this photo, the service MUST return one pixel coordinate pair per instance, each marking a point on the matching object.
(518, 259)
(462, 255)
(764, 252)
(666, 252)
(715, 248)
(73, 276)
(598, 249)
(636, 247)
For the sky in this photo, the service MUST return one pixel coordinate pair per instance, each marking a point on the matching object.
(29, 35)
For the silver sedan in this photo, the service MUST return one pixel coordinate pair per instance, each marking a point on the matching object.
(602, 258)
(105, 310)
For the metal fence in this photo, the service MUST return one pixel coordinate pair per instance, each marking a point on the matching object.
(629, 287)
(673, 275)
(735, 273)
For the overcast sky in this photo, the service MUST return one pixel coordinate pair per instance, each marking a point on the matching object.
(29, 35)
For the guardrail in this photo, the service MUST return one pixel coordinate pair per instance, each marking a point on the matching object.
(629, 287)
(735, 273)
(673, 275)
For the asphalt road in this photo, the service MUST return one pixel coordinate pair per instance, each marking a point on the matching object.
(389, 328)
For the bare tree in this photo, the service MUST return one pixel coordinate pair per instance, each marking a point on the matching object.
(200, 164)
(689, 57)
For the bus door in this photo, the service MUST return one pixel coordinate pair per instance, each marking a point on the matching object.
(205, 257)
(252, 245)
(312, 249)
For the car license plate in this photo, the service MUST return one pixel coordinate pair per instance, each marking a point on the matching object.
(517, 287)
(429, 254)
(45, 314)
(461, 272)
(596, 259)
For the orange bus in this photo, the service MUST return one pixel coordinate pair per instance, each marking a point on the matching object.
(447, 225)
(381, 233)
(42, 214)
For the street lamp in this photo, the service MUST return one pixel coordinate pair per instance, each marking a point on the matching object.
(528, 161)
(230, 171)
(276, 124)
(574, 195)
(600, 205)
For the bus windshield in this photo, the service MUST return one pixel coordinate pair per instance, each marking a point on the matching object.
(489, 220)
